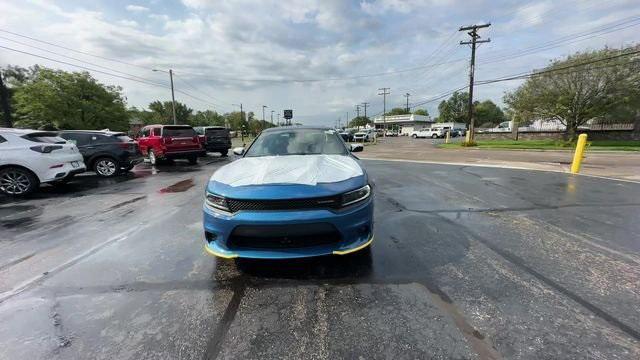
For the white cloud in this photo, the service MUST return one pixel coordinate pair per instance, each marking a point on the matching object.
(137, 8)
(211, 43)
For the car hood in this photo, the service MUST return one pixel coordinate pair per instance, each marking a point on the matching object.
(292, 176)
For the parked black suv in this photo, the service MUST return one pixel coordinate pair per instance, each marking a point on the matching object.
(107, 153)
(217, 138)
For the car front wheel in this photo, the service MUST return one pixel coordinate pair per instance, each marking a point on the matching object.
(434, 136)
(16, 181)
(414, 136)
(105, 167)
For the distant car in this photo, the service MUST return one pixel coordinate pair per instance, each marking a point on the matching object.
(460, 131)
(108, 153)
(216, 138)
(391, 133)
(29, 158)
(361, 136)
(294, 193)
(168, 142)
(346, 136)
(433, 133)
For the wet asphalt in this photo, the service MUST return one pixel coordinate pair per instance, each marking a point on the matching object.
(467, 263)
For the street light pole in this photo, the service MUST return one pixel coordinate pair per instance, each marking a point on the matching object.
(272, 111)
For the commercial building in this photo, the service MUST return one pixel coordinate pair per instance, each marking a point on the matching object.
(405, 124)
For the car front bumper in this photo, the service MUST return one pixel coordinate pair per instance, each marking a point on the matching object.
(354, 224)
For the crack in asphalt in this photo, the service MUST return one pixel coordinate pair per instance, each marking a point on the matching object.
(520, 263)
(214, 346)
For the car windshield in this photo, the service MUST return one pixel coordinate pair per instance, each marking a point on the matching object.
(217, 132)
(178, 131)
(297, 142)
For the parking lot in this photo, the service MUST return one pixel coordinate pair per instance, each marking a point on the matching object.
(467, 262)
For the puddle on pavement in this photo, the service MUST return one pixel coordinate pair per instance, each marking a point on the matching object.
(180, 186)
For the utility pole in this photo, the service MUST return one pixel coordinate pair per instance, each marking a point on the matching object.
(272, 111)
(278, 118)
(358, 110)
(365, 105)
(173, 97)
(473, 33)
(6, 108)
(384, 93)
(407, 96)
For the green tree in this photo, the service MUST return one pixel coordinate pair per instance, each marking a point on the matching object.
(359, 121)
(68, 100)
(576, 90)
(488, 114)
(162, 112)
(423, 112)
(455, 108)
(206, 118)
(397, 111)
(235, 121)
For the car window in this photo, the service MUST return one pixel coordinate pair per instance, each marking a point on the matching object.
(2, 140)
(178, 131)
(217, 132)
(78, 139)
(297, 142)
(144, 132)
(44, 137)
(155, 132)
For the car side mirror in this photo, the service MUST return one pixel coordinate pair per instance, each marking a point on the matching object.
(238, 150)
(356, 147)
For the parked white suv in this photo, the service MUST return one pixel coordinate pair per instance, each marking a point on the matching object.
(30, 157)
(428, 133)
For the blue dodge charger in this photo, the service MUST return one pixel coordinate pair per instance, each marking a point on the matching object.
(295, 192)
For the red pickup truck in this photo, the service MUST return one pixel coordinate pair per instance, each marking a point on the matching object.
(166, 142)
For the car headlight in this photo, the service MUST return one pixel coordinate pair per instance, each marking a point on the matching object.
(216, 202)
(355, 196)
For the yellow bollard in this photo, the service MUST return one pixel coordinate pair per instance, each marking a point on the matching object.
(446, 139)
(579, 154)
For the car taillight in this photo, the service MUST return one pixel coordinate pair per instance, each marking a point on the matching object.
(45, 149)
(196, 140)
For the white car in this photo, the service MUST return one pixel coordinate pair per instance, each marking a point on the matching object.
(361, 136)
(428, 133)
(29, 158)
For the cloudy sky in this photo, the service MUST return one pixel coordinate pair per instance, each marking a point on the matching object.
(318, 57)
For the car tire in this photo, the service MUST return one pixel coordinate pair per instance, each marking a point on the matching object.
(17, 181)
(192, 160)
(224, 152)
(153, 160)
(434, 136)
(106, 166)
(414, 136)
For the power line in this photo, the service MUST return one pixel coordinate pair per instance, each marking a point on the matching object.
(73, 58)
(105, 73)
(527, 75)
(74, 50)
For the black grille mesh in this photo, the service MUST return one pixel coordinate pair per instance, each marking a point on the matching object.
(332, 202)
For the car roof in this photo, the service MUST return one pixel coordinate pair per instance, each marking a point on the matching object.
(164, 125)
(23, 131)
(296, 127)
(103, 132)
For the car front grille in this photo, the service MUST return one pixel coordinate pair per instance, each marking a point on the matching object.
(283, 236)
(330, 202)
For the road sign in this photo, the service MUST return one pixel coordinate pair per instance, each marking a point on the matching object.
(288, 114)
